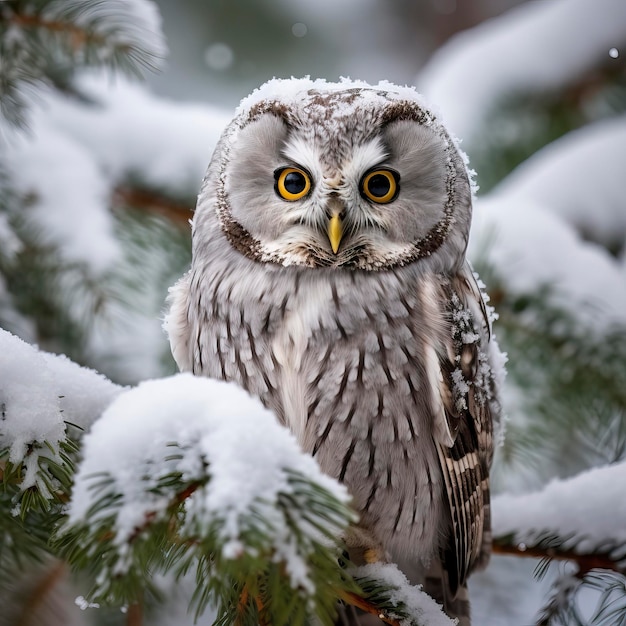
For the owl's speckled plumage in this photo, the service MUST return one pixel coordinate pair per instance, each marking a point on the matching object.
(379, 356)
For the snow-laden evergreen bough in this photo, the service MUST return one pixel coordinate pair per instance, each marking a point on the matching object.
(329, 279)
(185, 474)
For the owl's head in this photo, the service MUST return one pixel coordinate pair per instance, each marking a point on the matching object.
(341, 175)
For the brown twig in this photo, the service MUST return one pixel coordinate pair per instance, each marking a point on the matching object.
(261, 609)
(152, 202)
(134, 617)
(361, 603)
(53, 576)
(179, 498)
(78, 36)
(585, 562)
(241, 605)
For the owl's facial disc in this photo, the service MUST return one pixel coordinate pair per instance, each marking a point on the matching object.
(335, 216)
(294, 191)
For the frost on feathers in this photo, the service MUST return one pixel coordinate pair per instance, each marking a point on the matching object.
(296, 89)
(197, 428)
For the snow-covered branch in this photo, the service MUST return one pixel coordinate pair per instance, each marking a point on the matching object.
(201, 469)
(42, 45)
(538, 46)
(575, 177)
(189, 472)
(388, 590)
(41, 395)
(580, 519)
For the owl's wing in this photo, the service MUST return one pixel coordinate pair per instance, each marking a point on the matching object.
(467, 394)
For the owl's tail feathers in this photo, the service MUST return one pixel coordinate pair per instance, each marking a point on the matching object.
(456, 605)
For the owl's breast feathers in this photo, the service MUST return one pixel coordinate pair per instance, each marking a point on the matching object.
(387, 381)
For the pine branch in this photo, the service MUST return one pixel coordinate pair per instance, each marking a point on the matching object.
(266, 552)
(386, 593)
(278, 542)
(603, 571)
(359, 602)
(152, 202)
(44, 43)
(28, 517)
(562, 606)
(161, 543)
(572, 377)
(134, 616)
(585, 562)
(522, 123)
(50, 579)
(77, 36)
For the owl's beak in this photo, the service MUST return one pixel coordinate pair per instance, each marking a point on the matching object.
(335, 232)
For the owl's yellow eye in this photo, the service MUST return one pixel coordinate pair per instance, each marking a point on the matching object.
(380, 186)
(292, 183)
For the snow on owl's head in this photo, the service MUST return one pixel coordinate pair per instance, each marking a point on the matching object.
(342, 174)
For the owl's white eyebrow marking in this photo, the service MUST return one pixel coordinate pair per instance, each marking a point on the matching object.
(304, 154)
(364, 157)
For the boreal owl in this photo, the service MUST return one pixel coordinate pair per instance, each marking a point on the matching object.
(329, 279)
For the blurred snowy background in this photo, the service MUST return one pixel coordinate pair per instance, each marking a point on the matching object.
(98, 177)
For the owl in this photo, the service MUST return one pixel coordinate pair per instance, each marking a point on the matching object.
(329, 279)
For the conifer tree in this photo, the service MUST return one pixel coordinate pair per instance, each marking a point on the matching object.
(100, 303)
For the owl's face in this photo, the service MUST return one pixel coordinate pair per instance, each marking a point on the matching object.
(337, 176)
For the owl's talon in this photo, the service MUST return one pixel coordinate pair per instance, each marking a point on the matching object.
(373, 555)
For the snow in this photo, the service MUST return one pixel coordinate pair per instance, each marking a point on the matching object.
(293, 90)
(529, 247)
(536, 46)
(529, 228)
(69, 196)
(507, 593)
(10, 245)
(422, 608)
(133, 135)
(587, 511)
(218, 428)
(578, 178)
(76, 154)
(39, 392)
(69, 165)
